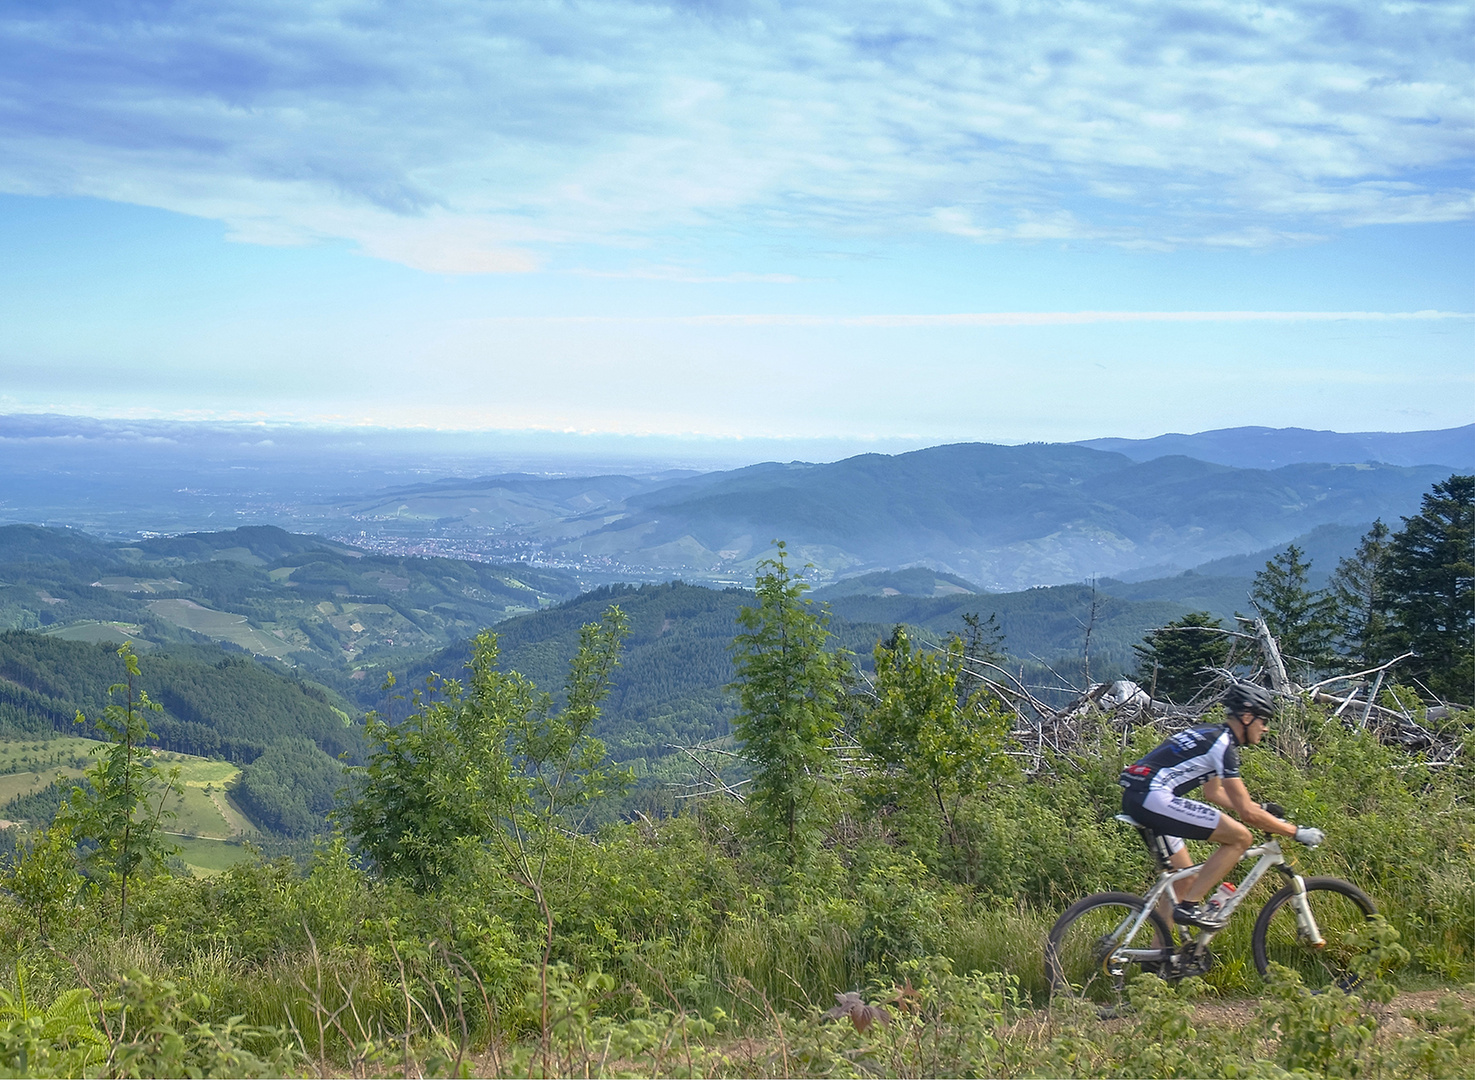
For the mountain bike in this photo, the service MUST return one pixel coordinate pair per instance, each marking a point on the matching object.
(1310, 926)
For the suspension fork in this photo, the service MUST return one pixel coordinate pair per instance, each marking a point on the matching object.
(1305, 920)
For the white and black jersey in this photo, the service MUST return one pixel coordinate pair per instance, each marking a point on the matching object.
(1185, 761)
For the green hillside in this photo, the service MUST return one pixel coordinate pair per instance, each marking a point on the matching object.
(261, 750)
(1002, 516)
(301, 600)
(206, 819)
(214, 706)
(676, 661)
(913, 581)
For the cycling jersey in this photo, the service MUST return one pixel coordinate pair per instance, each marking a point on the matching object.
(1185, 761)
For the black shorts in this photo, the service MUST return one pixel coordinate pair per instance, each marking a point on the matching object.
(1170, 815)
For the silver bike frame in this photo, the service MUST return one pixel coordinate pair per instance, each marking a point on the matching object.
(1268, 854)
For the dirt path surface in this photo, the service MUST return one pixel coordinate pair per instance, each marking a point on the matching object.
(1239, 1013)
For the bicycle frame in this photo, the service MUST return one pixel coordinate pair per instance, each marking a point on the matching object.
(1268, 854)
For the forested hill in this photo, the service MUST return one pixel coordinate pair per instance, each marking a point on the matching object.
(214, 706)
(303, 600)
(677, 660)
(1005, 517)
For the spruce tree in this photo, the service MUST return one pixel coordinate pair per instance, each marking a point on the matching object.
(1431, 589)
(1358, 588)
(789, 688)
(1302, 619)
(1174, 661)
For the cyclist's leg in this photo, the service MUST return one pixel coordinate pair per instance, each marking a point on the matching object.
(1180, 859)
(1172, 815)
(1233, 840)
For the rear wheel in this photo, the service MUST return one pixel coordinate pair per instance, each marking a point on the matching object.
(1341, 910)
(1078, 952)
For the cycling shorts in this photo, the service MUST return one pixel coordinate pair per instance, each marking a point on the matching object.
(1170, 816)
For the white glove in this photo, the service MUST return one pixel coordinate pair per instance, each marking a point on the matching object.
(1306, 834)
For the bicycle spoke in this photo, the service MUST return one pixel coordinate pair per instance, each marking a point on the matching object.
(1079, 956)
(1340, 912)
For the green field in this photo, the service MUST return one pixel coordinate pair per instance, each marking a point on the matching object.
(205, 817)
(201, 807)
(36, 754)
(205, 857)
(197, 771)
(14, 785)
(220, 625)
(103, 631)
(28, 765)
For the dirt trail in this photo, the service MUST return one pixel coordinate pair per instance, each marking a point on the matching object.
(1391, 1017)
(1238, 1013)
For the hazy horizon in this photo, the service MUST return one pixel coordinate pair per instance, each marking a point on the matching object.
(856, 224)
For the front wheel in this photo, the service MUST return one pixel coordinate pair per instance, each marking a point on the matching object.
(1341, 911)
(1079, 950)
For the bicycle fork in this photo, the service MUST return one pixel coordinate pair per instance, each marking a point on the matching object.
(1305, 921)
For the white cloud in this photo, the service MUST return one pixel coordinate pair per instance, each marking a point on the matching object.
(459, 137)
(998, 318)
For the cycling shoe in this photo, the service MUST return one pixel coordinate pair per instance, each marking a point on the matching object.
(1188, 913)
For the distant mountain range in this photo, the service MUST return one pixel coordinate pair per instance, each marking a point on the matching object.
(346, 618)
(1270, 448)
(1000, 517)
(995, 517)
(305, 601)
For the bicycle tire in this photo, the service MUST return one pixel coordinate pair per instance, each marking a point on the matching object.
(1081, 940)
(1339, 907)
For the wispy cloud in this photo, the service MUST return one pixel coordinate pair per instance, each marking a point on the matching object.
(999, 318)
(462, 137)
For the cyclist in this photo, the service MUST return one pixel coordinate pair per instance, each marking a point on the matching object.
(1209, 755)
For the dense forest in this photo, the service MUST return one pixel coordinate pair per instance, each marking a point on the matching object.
(866, 835)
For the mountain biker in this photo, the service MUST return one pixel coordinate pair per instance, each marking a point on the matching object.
(1155, 786)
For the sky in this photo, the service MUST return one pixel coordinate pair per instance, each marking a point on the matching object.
(874, 224)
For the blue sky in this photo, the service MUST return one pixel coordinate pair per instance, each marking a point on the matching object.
(880, 224)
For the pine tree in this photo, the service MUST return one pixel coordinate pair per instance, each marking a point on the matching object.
(789, 689)
(1358, 588)
(1431, 588)
(1174, 661)
(1301, 618)
(983, 648)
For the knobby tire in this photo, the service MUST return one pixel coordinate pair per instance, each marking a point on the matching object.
(1340, 909)
(1081, 939)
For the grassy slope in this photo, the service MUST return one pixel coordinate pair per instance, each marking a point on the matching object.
(205, 819)
(298, 599)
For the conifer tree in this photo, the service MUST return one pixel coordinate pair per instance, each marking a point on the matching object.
(789, 690)
(983, 646)
(1301, 618)
(1173, 661)
(1359, 588)
(1431, 588)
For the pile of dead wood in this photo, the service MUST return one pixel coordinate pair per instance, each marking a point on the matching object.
(1047, 732)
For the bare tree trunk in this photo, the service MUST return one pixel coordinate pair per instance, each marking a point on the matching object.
(1274, 665)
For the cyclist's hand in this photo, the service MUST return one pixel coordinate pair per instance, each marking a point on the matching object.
(1274, 809)
(1306, 834)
